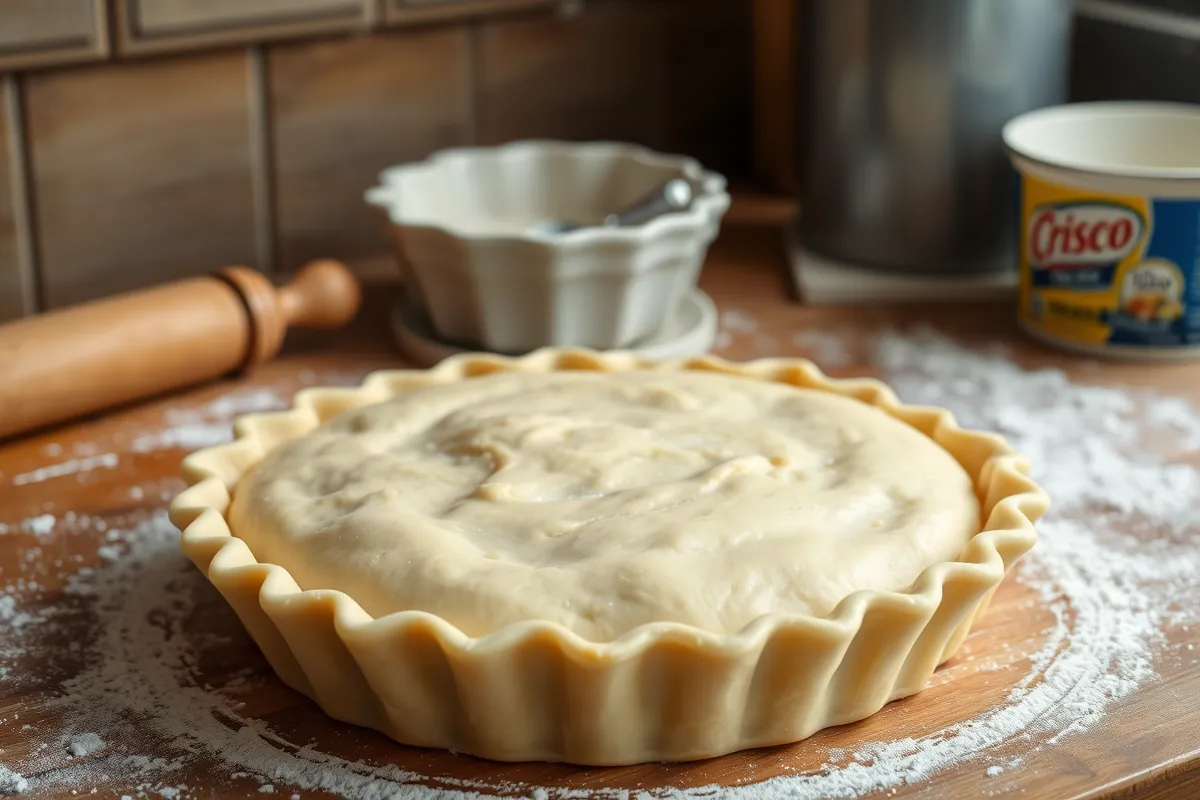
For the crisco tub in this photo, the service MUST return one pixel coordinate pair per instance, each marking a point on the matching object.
(1109, 214)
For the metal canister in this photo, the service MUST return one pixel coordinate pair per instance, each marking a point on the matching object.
(900, 108)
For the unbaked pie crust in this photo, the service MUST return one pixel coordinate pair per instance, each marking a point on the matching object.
(675, 590)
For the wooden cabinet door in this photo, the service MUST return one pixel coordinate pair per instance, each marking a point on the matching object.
(36, 33)
(151, 26)
(399, 12)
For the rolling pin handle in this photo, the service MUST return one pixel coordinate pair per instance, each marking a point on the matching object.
(324, 294)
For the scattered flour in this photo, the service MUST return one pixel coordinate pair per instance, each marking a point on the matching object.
(75, 465)
(109, 552)
(740, 326)
(1176, 414)
(826, 349)
(210, 425)
(9, 614)
(11, 782)
(84, 744)
(41, 525)
(1112, 496)
(738, 321)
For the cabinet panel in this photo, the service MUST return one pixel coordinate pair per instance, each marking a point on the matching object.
(41, 32)
(148, 26)
(399, 12)
(343, 110)
(142, 173)
(13, 302)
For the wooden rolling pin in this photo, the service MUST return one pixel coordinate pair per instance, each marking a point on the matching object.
(65, 364)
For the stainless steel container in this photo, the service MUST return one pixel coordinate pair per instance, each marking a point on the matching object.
(900, 106)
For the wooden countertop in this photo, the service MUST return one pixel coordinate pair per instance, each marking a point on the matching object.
(121, 467)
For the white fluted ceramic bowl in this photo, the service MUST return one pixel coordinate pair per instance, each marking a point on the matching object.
(460, 221)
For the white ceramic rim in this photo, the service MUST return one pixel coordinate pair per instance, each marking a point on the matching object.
(710, 201)
(1019, 131)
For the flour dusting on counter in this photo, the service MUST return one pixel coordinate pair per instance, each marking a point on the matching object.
(740, 326)
(11, 616)
(1111, 494)
(41, 525)
(212, 424)
(825, 349)
(736, 321)
(193, 429)
(73, 466)
(84, 744)
(12, 782)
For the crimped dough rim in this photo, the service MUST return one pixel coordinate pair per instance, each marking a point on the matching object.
(1011, 502)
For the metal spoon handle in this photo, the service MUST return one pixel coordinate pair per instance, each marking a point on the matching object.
(674, 195)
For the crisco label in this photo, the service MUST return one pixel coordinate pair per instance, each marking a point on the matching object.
(1105, 269)
(1082, 233)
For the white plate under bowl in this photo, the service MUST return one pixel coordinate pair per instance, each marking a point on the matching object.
(690, 332)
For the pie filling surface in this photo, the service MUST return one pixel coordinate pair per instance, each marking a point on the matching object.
(604, 501)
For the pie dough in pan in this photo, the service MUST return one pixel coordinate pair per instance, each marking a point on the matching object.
(594, 688)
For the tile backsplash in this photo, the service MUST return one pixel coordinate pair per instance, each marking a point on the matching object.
(139, 171)
(173, 137)
(339, 111)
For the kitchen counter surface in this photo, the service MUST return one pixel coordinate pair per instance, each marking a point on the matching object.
(122, 673)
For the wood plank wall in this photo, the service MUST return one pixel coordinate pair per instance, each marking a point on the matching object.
(146, 140)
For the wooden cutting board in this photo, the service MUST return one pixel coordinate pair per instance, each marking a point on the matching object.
(118, 469)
